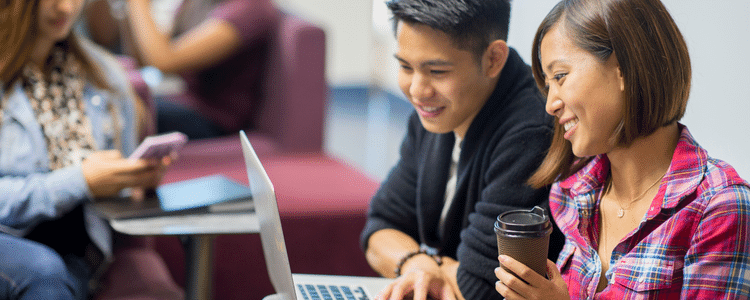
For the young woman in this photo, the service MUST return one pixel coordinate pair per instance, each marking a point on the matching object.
(646, 212)
(218, 47)
(68, 116)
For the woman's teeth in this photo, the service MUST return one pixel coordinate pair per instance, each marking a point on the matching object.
(568, 125)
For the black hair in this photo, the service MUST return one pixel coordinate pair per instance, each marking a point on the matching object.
(471, 24)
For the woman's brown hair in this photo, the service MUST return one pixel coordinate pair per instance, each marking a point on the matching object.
(652, 56)
(18, 31)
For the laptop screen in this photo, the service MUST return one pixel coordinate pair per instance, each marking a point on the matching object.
(271, 235)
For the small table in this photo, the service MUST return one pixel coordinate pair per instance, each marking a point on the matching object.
(197, 232)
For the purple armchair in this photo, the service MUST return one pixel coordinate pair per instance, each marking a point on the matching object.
(292, 116)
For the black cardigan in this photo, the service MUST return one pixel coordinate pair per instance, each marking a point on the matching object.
(505, 143)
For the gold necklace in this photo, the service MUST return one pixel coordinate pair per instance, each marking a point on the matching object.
(621, 211)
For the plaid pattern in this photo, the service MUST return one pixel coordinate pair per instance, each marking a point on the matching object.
(692, 244)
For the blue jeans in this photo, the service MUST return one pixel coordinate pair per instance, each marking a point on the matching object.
(31, 270)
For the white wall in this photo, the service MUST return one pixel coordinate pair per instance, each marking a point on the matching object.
(348, 36)
(716, 32)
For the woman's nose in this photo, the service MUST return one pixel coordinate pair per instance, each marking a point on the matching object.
(554, 104)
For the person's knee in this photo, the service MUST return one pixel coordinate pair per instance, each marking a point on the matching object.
(40, 270)
(48, 265)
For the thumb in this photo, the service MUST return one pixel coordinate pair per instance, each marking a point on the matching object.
(554, 275)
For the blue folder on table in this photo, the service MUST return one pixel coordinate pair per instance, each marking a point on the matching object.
(215, 193)
(201, 192)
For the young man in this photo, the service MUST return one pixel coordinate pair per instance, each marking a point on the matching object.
(478, 132)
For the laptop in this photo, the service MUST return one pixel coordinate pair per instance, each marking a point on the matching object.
(297, 286)
(214, 193)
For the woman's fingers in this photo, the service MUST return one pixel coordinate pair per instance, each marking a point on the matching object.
(505, 291)
(528, 275)
(512, 283)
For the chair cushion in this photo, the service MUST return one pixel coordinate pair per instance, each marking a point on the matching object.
(138, 274)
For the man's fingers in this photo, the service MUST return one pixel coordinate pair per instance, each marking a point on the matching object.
(385, 293)
(447, 293)
(420, 288)
(400, 289)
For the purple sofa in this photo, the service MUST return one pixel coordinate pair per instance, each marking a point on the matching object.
(322, 200)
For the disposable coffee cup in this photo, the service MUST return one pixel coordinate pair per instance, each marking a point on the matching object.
(524, 236)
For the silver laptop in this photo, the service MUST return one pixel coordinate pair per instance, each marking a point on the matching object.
(297, 286)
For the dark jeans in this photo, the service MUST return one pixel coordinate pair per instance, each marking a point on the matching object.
(172, 116)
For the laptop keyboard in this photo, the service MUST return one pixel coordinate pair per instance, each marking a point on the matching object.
(331, 292)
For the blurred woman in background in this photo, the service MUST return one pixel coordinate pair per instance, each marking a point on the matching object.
(218, 47)
(68, 116)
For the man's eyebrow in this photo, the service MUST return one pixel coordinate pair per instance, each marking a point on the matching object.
(427, 63)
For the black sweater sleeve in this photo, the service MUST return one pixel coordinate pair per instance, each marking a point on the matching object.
(394, 204)
(515, 157)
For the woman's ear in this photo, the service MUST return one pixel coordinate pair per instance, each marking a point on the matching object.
(612, 62)
(495, 57)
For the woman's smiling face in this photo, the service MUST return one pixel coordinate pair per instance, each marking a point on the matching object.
(585, 94)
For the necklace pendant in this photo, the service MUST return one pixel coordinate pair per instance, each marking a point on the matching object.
(620, 213)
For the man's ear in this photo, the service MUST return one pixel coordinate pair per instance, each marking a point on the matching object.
(495, 57)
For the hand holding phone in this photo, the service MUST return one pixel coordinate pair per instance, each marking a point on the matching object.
(158, 146)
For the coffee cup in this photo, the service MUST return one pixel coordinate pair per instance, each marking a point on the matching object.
(524, 235)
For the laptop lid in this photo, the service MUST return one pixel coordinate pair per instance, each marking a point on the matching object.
(271, 234)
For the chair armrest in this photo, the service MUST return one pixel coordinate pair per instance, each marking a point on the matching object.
(296, 89)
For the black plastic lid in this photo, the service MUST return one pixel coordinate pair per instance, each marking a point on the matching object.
(534, 219)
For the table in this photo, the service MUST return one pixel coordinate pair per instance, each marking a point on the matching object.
(196, 232)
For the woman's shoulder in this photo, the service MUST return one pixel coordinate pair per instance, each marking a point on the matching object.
(722, 182)
(100, 56)
(111, 68)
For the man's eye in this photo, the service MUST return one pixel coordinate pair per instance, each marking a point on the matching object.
(438, 72)
(405, 67)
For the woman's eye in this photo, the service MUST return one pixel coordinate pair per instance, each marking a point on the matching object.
(438, 72)
(559, 76)
(405, 67)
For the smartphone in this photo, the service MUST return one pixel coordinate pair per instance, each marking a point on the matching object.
(158, 146)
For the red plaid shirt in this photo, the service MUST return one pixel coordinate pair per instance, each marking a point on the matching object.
(693, 242)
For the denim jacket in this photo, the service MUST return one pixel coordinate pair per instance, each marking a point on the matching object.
(29, 192)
